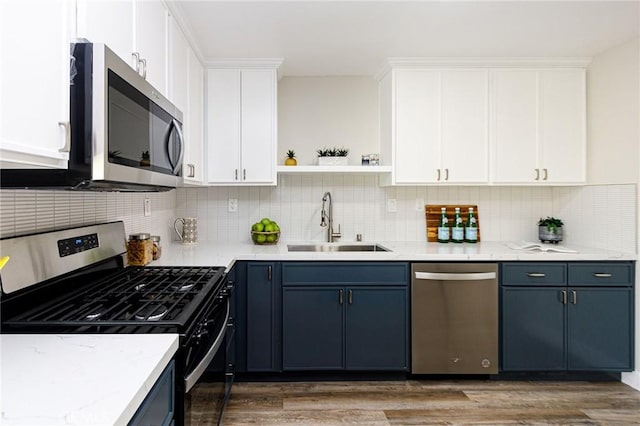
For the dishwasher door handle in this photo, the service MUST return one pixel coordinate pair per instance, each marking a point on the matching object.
(460, 276)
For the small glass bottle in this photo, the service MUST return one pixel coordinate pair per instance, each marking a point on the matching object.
(457, 229)
(157, 247)
(443, 227)
(471, 231)
(139, 249)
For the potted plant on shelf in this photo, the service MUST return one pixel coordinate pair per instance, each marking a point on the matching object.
(333, 156)
(145, 159)
(291, 158)
(550, 230)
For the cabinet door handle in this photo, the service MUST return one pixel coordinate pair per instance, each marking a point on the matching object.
(192, 170)
(144, 68)
(244, 174)
(438, 174)
(269, 272)
(340, 297)
(536, 274)
(545, 174)
(564, 297)
(537, 174)
(136, 61)
(602, 275)
(350, 297)
(574, 297)
(236, 174)
(67, 136)
(446, 174)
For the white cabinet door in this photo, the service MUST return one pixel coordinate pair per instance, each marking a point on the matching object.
(223, 126)
(194, 152)
(258, 126)
(178, 68)
(151, 41)
(34, 82)
(465, 135)
(417, 126)
(538, 126)
(514, 126)
(562, 135)
(109, 22)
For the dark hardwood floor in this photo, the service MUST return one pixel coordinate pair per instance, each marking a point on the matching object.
(426, 402)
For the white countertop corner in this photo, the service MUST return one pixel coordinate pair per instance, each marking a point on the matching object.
(79, 379)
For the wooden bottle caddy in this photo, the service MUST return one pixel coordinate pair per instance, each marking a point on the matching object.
(432, 215)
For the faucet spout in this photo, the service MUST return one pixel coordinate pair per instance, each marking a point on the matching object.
(326, 217)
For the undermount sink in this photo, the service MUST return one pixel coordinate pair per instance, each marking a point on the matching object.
(329, 247)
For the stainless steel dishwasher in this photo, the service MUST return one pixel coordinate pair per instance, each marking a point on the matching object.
(454, 318)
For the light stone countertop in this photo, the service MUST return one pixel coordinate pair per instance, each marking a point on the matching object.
(79, 379)
(208, 253)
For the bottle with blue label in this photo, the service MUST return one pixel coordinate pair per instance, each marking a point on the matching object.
(471, 231)
(457, 229)
(443, 227)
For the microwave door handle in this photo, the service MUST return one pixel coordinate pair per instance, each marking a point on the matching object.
(178, 165)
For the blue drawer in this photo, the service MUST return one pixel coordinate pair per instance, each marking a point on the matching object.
(601, 274)
(534, 273)
(351, 273)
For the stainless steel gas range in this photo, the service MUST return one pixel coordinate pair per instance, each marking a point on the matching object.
(75, 281)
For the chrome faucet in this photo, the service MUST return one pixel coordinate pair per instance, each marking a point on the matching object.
(328, 218)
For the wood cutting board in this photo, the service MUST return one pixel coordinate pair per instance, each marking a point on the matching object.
(432, 216)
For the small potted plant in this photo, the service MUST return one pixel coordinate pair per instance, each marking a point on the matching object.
(291, 158)
(550, 230)
(145, 159)
(332, 156)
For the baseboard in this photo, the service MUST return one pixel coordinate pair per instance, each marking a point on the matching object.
(632, 379)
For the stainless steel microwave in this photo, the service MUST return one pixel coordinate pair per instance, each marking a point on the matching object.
(124, 134)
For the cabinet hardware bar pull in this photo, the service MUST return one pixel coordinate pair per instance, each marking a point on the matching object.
(67, 136)
(236, 174)
(244, 174)
(340, 297)
(537, 174)
(564, 297)
(545, 174)
(448, 276)
(574, 297)
(602, 275)
(438, 174)
(536, 274)
(351, 297)
(193, 170)
(269, 272)
(446, 174)
(136, 59)
(144, 68)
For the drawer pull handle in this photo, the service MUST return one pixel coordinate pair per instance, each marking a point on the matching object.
(536, 274)
(602, 275)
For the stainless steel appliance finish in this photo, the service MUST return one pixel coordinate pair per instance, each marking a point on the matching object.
(454, 318)
(75, 281)
(123, 134)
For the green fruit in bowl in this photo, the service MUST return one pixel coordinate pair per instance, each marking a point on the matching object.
(276, 228)
(271, 238)
(269, 228)
(265, 221)
(259, 238)
(258, 227)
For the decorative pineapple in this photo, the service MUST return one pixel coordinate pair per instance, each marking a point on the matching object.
(291, 158)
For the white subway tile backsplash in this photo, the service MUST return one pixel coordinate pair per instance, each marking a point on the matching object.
(598, 216)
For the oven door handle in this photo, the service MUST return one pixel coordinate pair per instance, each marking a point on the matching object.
(193, 377)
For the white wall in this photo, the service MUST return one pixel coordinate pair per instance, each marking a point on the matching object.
(613, 115)
(317, 112)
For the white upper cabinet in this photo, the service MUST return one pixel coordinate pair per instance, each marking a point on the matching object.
(438, 126)
(34, 83)
(178, 67)
(538, 126)
(241, 126)
(135, 30)
(193, 170)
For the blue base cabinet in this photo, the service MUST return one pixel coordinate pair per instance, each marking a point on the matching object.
(345, 316)
(575, 316)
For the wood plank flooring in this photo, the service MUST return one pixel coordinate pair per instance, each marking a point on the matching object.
(427, 402)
